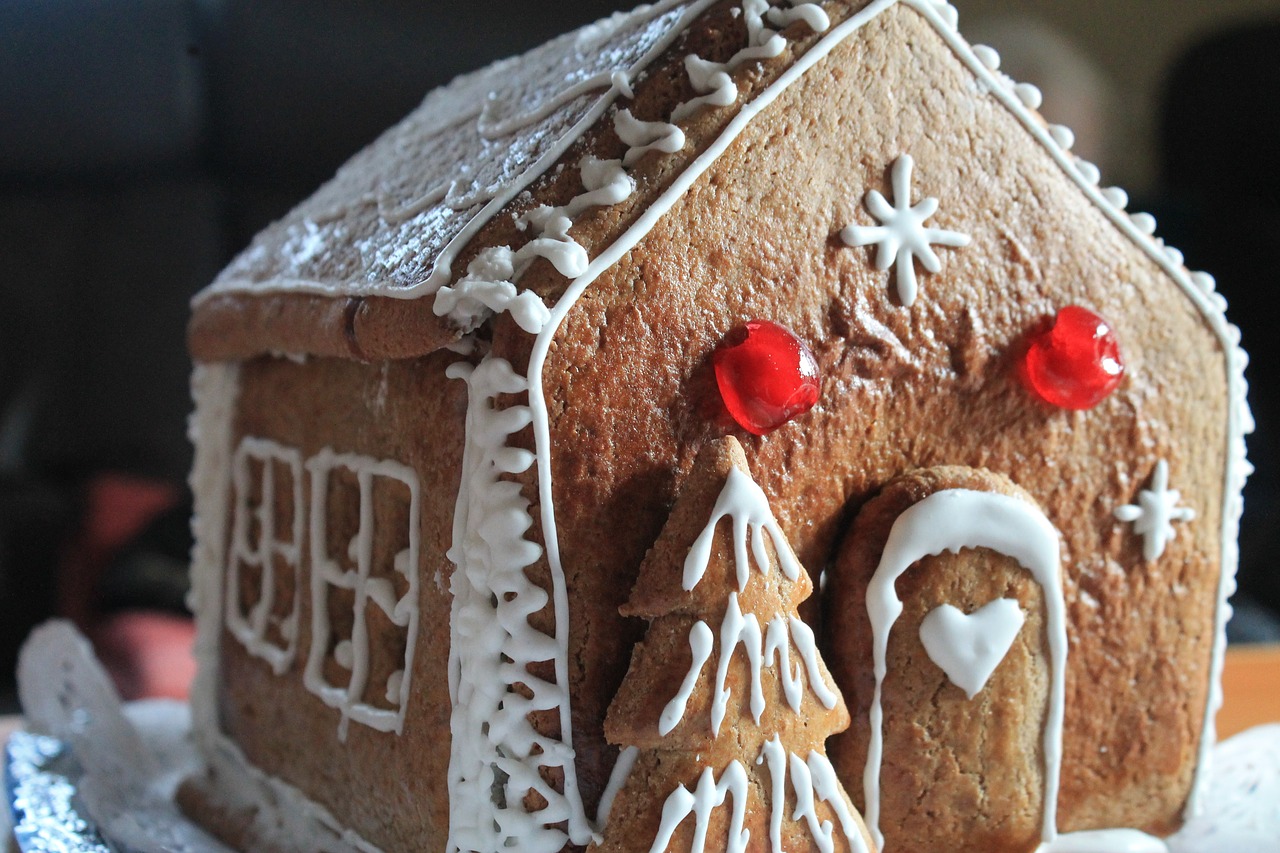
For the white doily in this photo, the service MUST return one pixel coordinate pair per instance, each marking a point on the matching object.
(128, 785)
(1242, 809)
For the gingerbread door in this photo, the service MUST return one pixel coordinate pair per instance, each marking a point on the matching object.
(945, 611)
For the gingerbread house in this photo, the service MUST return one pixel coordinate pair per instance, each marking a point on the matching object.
(445, 405)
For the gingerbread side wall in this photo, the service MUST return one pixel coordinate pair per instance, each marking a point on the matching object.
(631, 395)
(367, 557)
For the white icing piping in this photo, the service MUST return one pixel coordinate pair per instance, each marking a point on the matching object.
(1154, 513)
(711, 80)
(762, 649)
(442, 269)
(641, 137)
(329, 571)
(617, 778)
(952, 520)
(709, 795)
(251, 628)
(489, 285)
(969, 646)
(736, 630)
(619, 85)
(813, 780)
(701, 644)
(215, 389)
(494, 745)
(282, 814)
(745, 503)
(901, 236)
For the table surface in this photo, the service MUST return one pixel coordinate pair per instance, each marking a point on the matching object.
(1251, 684)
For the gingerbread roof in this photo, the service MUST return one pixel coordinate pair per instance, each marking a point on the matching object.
(393, 219)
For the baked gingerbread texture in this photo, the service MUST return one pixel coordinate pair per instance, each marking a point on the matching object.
(446, 406)
(727, 700)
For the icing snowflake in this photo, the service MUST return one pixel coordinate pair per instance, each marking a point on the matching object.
(901, 234)
(1154, 513)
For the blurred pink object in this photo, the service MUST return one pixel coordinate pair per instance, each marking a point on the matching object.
(148, 654)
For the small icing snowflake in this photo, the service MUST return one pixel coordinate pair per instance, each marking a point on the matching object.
(901, 234)
(1154, 513)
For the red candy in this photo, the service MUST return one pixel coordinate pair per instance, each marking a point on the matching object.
(767, 376)
(1076, 363)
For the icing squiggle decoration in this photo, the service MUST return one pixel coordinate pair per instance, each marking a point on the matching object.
(490, 283)
(486, 290)
(641, 137)
(744, 502)
(327, 572)
(952, 520)
(709, 795)
(251, 628)
(711, 80)
(762, 649)
(494, 747)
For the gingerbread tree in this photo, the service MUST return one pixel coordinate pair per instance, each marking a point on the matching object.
(727, 704)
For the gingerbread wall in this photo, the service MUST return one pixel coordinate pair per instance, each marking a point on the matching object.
(631, 395)
(341, 417)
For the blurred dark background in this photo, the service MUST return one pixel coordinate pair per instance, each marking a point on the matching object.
(144, 142)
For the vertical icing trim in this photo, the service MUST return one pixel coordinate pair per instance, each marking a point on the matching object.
(744, 503)
(215, 388)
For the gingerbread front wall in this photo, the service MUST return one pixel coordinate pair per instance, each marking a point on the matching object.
(632, 396)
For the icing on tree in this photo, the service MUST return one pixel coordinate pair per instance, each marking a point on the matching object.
(1154, 513)
(727, 703)
(901, 235)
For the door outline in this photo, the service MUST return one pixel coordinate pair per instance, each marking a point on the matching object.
(951, 520)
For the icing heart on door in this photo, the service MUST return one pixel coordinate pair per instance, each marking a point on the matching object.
(968, 648)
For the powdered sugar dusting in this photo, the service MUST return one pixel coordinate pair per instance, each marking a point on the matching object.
(392, 220)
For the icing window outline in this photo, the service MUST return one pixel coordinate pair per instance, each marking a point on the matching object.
(251, 627)
(326, 572)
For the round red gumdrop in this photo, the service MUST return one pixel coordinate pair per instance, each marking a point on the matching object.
(1076, 363)
(767, 376)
